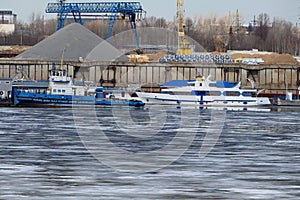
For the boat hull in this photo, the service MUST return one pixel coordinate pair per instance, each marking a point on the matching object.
(29, 99)
(193, 100)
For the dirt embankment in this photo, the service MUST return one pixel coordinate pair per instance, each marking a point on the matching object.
(270, 59)
(13, 49)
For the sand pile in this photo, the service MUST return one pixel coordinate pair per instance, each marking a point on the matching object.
(77, 43)
(73, 43)
(155, 56)
(272, 58)
(15, 49)
(75, 40)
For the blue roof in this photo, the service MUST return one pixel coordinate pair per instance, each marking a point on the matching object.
(180, 83)
(175, 83)
(224, 84)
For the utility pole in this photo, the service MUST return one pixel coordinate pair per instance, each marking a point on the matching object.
(237, 22)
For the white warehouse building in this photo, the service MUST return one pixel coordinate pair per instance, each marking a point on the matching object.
(7, 22)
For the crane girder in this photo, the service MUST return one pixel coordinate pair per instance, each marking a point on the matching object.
(112, 11)
(98, 7)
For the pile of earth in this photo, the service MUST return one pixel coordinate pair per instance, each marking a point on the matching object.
(73, 43)
(16, 49)
(270, 59)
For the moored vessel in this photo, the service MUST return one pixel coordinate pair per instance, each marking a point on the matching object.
(205, 92)
(62, 91)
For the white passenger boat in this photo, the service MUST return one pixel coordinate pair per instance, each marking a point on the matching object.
(205, 92)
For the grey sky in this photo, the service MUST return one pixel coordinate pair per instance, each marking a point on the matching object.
(285, 9)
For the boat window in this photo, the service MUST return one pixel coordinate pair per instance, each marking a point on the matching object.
(192, 84)
(213, 93)
(59, 90)
(248, 94)
(134, 95)
(200, 84)
(54, 90)
(199, 93)
(231, 93)
(212, 85)
(181, 93)
(63, 90)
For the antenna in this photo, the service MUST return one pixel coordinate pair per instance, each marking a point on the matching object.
(237, 21)
(62, 58)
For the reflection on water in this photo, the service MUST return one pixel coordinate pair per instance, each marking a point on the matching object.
(286, 109)
(257, 155)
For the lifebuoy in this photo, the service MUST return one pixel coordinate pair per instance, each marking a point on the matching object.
(1, 92)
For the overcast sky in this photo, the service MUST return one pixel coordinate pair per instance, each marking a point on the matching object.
(285, 9)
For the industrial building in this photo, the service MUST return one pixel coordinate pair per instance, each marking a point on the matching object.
(7, 22)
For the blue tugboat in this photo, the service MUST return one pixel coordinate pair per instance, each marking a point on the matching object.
(62, 92)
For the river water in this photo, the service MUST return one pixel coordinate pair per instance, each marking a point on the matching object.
(149, 153)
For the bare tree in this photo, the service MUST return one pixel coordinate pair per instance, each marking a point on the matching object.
(212, 32)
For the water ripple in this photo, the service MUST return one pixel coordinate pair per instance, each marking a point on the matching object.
(256, 157)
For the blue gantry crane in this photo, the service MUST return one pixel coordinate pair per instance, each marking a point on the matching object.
(111, 11)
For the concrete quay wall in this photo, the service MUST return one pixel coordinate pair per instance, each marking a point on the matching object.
(273, 78)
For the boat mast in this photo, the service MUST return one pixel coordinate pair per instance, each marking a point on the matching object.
(62, 58)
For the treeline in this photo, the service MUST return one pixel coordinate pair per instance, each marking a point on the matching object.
(212, 32)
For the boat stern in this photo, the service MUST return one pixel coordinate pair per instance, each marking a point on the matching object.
(263, 101)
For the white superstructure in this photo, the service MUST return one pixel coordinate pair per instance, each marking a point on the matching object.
(206, 92)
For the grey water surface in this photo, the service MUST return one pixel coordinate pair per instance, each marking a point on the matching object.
(255, 155)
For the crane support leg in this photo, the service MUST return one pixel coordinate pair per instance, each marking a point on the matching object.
(63, 14)
(110, 27)
(132, 19)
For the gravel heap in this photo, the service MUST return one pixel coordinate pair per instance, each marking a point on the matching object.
(76, 41)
